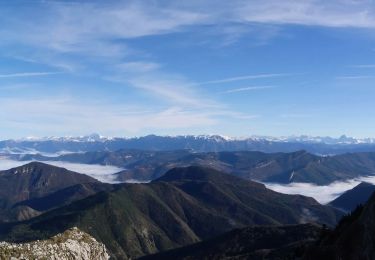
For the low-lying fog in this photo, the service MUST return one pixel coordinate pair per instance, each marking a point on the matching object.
(103, 173)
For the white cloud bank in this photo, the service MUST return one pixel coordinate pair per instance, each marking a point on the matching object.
(323, 194)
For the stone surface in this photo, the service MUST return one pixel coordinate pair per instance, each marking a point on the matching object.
(72, 244)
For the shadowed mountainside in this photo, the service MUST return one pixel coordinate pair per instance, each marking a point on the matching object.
(260, 242)
(353, 238)
(350, 199)
(28, 190)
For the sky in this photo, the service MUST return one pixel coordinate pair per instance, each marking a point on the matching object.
(237, 68)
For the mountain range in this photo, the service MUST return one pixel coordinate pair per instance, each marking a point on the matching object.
(192, 212)
(284, 168)
(201, 143)
(184, 206)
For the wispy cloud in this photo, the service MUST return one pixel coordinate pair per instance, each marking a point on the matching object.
(251, 88)
(138, 66)
(70, 116)
(28, 74)
(169, 88)
(364, 66)
(47, 58)
(241, 78)
(355, 77)
(50, 115)
(339, 13)
(175, 88)
(88, 27)
(91, 27)
(294, 115)
(121, 18)
(16, 87)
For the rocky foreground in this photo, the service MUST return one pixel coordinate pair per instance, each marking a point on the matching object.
(72, 244)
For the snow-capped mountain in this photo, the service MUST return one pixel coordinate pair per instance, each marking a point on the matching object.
(54, 146)
(323, 140)
(219, 138)
(87, 138)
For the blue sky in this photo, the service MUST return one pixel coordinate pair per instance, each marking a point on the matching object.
(238, 68)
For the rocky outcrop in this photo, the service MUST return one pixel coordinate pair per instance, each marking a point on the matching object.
(72, 244)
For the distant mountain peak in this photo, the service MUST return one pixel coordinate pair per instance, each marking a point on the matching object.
(35, 166)
(27, 168)
(37, 174)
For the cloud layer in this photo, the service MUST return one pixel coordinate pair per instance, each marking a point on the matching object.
(323, 194)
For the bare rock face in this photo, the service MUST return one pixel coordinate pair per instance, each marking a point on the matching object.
(72, 244)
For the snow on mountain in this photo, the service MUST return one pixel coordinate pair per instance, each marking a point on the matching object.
(214, 137)
(54, 146)
(87, 138)
(317, 139)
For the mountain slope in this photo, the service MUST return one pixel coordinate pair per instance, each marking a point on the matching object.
(350, 199)
(34, 181)
(183, 207)
(353, 238)
(64, 196)
(239, 197)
